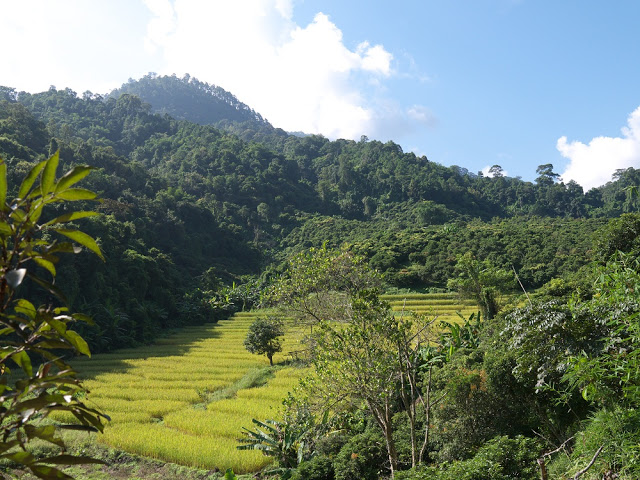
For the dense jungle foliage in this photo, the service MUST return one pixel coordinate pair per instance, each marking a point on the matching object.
(204, 208)
(545, 388)
(194, 213)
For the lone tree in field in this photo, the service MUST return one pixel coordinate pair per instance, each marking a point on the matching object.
(264, 337)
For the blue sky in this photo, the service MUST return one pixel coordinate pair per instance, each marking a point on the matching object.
(473, 83)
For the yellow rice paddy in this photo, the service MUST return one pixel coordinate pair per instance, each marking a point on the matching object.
(162, 398)
(159, 397)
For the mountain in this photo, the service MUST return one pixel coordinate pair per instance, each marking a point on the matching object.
(187, 98)
(189, 208)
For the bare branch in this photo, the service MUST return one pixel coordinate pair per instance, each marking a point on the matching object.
(521, 286)
(593, 460)
(548, 454)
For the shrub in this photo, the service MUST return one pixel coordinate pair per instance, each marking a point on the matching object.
(319, 467)
(33, 338)
(502, 458)
(361, 458)
(618, 431)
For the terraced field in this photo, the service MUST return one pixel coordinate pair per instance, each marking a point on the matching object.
(186, 398)
(442, 305)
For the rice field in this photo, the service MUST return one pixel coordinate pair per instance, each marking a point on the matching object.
(444, 306)
(162, 399)
(186, 398)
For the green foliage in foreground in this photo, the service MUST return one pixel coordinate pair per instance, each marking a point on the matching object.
(34, 338)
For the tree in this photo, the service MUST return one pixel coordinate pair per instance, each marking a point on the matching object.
(318, 285)
(621, 234)
(481, 281)
(357, 363)
(546, 174)
(362, 353)
(610, 376)
(263, 337)
(496, 171)
(34, 337)
(377, 359)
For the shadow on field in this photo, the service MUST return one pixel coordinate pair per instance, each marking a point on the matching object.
(176, 344)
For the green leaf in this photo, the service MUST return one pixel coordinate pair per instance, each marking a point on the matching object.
(6, 351)
(64, 247)
(58, 326)
(81, 317)
(78, 342)
(27, 183)
(46, 264)
(3, 185)
(72, 177)
(18, 215)
(22, 457)
(50, 344)
(49, 173)
(23, 361)
(36, 212)
(26, 308)
(51, 288)
(83, 239)
(5, 228)
(68, 217)
(48, 473)
(80, 428)
(73, 194)
(44, 432)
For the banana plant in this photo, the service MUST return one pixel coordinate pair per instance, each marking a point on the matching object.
(464, 335)
(275, 439)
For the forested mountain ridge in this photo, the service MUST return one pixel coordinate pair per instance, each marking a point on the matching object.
(189, 99)
(189, 208)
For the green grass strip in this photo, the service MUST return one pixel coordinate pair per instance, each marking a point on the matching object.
(255, 377)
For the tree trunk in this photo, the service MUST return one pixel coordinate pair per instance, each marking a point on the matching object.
(383, 418)
(391, 446)
(427, 419)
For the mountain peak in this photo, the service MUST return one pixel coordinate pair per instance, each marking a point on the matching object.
(188, 98)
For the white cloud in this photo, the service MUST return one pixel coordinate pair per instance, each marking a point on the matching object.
(80, 44)
(300, 77)
(422, 115)
(375, 59)
(593, 165)
(161, 25)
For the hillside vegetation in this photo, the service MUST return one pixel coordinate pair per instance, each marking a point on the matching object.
(203, 220)
(190, 208)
